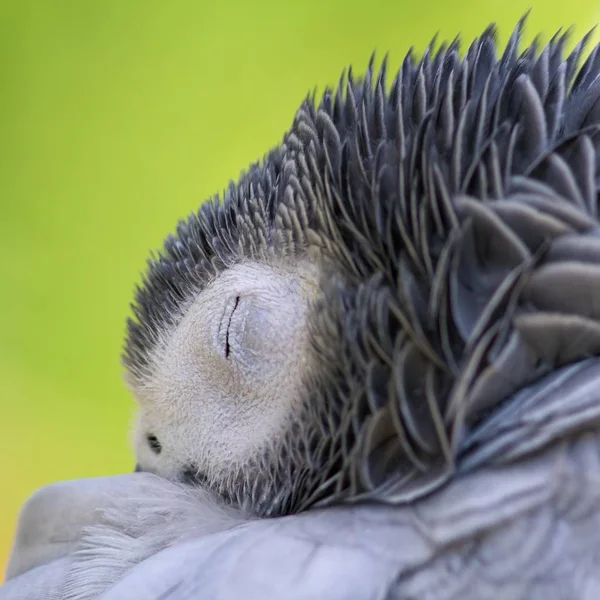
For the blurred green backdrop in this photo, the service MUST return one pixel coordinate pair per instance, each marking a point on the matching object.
(116, 119)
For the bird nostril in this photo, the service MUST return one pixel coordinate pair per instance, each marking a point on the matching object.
(154, 444)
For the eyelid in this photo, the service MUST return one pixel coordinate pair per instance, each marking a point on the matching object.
(223, 327)
(230, 318)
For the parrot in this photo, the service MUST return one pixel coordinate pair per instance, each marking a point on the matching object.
(371, 370)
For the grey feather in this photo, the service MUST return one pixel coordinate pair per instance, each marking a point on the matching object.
(520, 529)
(441, 212)
(447, 445)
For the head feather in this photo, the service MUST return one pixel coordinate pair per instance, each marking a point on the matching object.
(455, 216)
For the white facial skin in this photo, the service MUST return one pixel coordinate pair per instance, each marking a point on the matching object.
(229, 375)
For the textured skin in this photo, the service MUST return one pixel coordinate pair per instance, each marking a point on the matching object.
(229, 376)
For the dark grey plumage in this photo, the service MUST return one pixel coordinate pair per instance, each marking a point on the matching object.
(455, 216)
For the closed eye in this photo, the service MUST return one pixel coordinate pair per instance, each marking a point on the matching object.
(227, 347)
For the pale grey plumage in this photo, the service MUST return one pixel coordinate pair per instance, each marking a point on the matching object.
(523, 529)
(456, 404)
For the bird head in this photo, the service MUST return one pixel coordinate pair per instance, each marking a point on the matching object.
(360, 316)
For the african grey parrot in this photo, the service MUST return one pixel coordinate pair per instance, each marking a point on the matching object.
(373, 370)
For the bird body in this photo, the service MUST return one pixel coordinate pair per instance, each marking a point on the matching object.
(372, 370)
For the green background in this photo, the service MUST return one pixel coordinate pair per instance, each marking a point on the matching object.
(117, 118)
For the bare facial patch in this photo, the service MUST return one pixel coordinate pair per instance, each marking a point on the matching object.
(229, 375)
